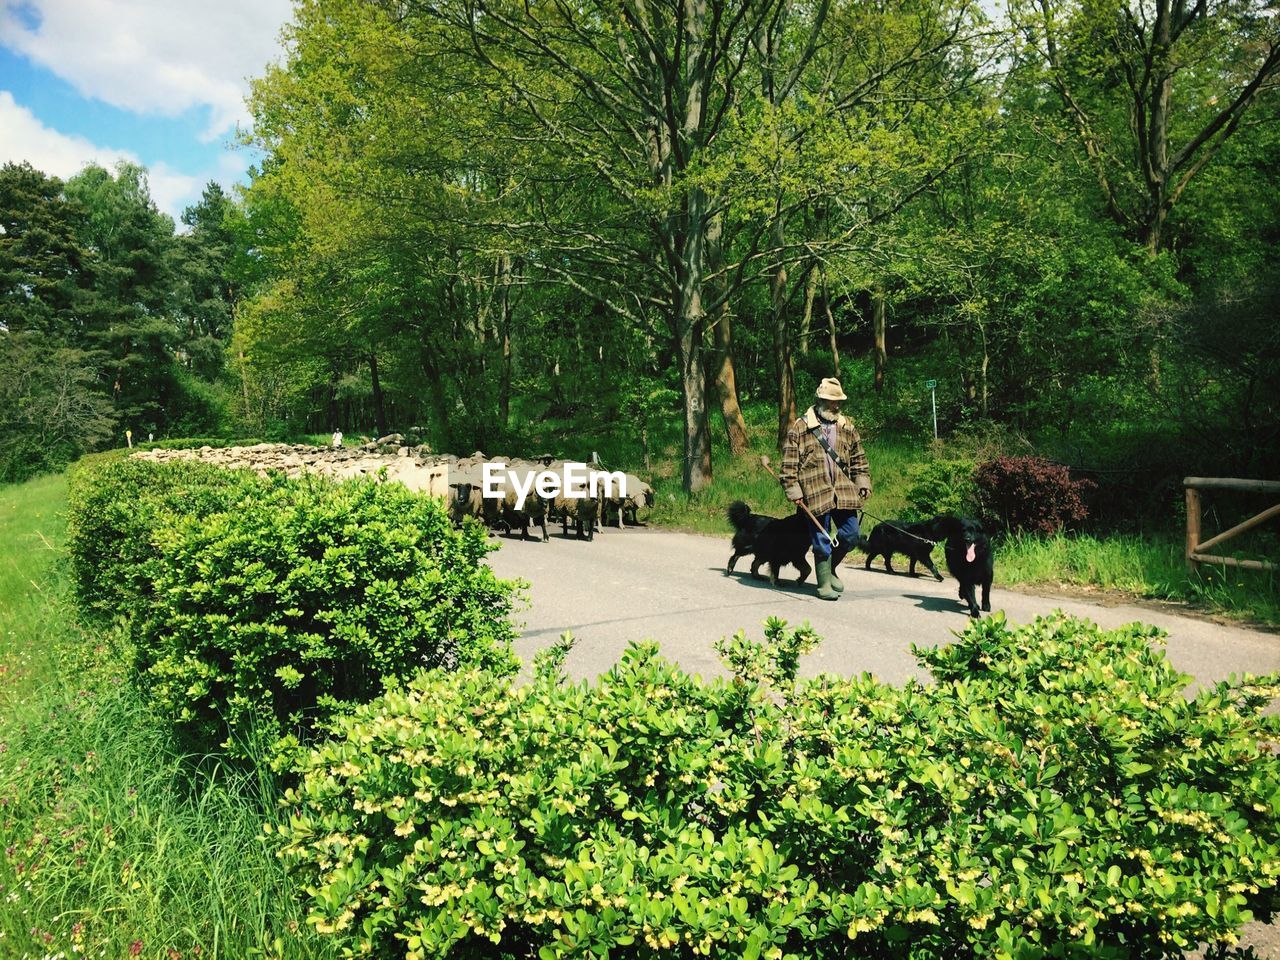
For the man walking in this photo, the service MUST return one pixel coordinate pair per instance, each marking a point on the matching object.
(825, 468)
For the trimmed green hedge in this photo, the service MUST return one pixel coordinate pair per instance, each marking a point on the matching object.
(257, 607)
(195, 443)
(1052, 794)
(115, 507)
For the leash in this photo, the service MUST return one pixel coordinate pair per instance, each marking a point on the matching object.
(892, 526)
(844, 470)
(764, 462)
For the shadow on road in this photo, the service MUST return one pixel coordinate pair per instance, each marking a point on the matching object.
(937, 604)
(786, 584)
(918, 575)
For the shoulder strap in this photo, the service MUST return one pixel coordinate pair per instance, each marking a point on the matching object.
(835, 457)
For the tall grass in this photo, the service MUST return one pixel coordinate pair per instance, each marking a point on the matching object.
(113, 844)
(1147, 566)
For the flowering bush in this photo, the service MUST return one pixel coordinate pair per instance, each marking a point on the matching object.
(1031, 494)
(1052, 793)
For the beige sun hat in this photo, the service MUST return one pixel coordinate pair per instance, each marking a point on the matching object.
(829, 389)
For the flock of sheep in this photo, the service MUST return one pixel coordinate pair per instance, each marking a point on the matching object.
(575, 505)
(458, 481)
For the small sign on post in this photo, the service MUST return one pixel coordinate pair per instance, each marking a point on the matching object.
(931, 386)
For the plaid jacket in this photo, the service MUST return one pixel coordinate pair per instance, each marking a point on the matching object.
(804, 466)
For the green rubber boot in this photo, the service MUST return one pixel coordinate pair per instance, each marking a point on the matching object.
(837, 555)
(825, 590)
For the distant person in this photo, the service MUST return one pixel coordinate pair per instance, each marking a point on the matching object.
(825, 468)
(337, 439)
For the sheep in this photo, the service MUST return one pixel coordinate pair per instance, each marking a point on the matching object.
(466, 497)
(619, 509)
(639, 494)
(534, 509)
(583, 510)
(464, 501)
(609, 509)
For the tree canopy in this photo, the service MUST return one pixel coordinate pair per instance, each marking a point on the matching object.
(478, 218)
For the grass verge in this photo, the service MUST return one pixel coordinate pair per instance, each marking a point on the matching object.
(1150, 567)
(113, 844)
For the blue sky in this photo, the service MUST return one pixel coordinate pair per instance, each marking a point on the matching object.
(155, 82)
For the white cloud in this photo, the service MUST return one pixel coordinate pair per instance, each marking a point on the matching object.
(152, 56)
(24, 137)
(173, 191)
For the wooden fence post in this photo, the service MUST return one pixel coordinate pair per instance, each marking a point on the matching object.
(1193, 528)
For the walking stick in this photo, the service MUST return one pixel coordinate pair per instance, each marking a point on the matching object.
(833, 540)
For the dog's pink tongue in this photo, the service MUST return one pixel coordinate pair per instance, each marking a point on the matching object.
(971, 552)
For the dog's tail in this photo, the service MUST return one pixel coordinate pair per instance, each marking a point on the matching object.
(739, 514)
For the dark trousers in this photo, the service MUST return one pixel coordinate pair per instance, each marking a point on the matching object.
(847, 532)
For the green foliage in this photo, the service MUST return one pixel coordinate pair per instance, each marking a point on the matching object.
(773, 663)
(109, 836)
(199, 407)
(53, 411)
(195, 443)
(942, 486)
(1052, 793)
(45, 268)
(116, 510)
(1145, 566)
(107, 320)
(257, 607)
(269, 617)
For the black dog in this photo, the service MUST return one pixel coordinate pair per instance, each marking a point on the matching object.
(916, 540)
(770, 540)
(969, 558)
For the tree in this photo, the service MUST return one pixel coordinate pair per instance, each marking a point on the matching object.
(53, 409)
(205, 288)
(1153, 89)
(46, 274)
(131, 328)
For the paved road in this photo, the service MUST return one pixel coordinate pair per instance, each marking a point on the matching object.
(639, 583)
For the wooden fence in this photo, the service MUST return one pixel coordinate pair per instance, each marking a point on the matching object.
(1196, 550)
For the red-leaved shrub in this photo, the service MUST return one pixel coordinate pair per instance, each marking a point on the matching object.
(1031, 494)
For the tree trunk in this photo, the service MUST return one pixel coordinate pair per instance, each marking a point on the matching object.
(726, 385)
(881, 338)
(379, 405)
(331, 389)
(722, 373)
(982, 373)
(806, 318)
(244, 383)
(831, 327)
(781, 340)
(690, 330)
(698, 447)
(504, 319)
(1152, 233)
